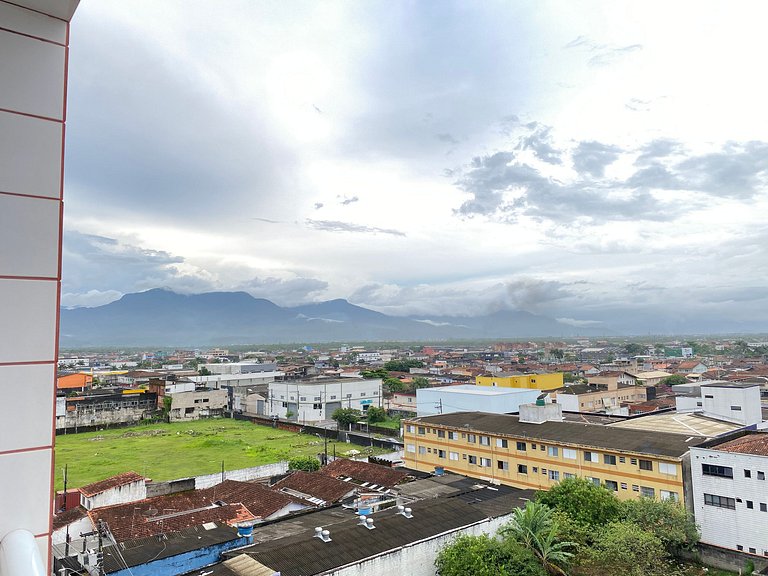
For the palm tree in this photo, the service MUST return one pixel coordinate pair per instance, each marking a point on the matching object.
(536, 528)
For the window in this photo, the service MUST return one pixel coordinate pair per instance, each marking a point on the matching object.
(752, 551)
(333, 397)
(609, 459)
(667, 495)
(317, 398)
(543, 447)
(708, 396)
(303, 398)
(763, 507)
(622, 460)
(520, 446)
(736, 408)
(502, 443)
(410, 447)
(554, 475)
(441, 453)
(595, 481)
(411, 428)
(485, 441)
(189, 410)
(453, 435)
(522, 469)
(285, 404)
(453, 455)
(647, 492)
(422, 430)
(611, 485)
(569, 453)
(552, 451)
(646, 465)
(502, 465)
(719, 501)
(471, 438)
(750, 505)
(569, 475)
(362, 393)
(747, 474)
(349, 395)
(623, 485)
(760, 475)
(633, 461)
(485, 462)
(317, 406)
(441, 433)
(422, 449)
(429, 450)
(591, 457)
(472, 459)
(533, 446)
(722, 471)
(635, 488)
(667, 468)
(739, 547)
(535, 469)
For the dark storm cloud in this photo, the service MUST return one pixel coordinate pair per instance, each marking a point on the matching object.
(336, 226)
(505, 185)
(146, 135)
(593, 157)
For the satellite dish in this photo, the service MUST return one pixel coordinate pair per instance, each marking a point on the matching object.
(541, 396)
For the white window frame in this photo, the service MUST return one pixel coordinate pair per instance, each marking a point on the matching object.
(570, 453)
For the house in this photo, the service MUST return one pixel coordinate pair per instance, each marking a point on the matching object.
(730, 494)
(125, 487)
(74, 382)
(652, 377)
(364, 474)
(470, 398)
(202, 403)
(737, 402)
(537, 449)
(595, 397)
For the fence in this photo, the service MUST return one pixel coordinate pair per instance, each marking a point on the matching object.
(209, 480)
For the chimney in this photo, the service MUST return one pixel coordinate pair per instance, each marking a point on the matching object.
(324, 535)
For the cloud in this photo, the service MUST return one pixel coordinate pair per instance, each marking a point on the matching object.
(593, 157)
(89, 299)
(345, 201)
(267, 220)
(540, 142)
(601, 54)
(579, 323)
(336, 226)
(318, 205)
(284, 292)
(447, 138)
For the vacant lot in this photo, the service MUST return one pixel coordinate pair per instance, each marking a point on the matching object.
(169, 451)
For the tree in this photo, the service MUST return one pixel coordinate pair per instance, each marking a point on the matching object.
(557, 353)
(394, 385)
(583, 501)
(204, 371)
(375, 414)
(402, 365)
(674, 380)
(625, 549)
(420, 382)
(666, 519)
(346, 416)
(306, 463)
(485, 556)
(536, 528)
(633, 348)
(377, 373)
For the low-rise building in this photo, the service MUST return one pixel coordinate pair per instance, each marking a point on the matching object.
(730, 492)
(316, 400)
(598, 397)
(125, 487)
(737, 402)
(469, 398)
(196, 404)
(542, 381)
(536, 451)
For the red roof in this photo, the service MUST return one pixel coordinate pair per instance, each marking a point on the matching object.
(109, 483)
(756, 443)
(316, 485)
(364, 472)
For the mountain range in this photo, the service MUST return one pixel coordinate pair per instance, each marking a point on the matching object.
(160, 317)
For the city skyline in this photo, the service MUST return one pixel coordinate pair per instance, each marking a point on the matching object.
(578, 160)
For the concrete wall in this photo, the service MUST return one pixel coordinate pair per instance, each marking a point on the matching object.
(724, 400)
(444, 400)
(33, 67)
(170, 487)
(118, 495)
(77, 419)
(418, 559)
(243, 474)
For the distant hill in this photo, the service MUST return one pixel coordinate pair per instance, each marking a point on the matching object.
(161, 317)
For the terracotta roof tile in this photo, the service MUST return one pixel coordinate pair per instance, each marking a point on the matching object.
(109, 483)
(750, 444)
(68, 516)
(317, 485)
(364, 472)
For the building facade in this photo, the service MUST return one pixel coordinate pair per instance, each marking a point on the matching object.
(514, 380)
(503, 449)
(730, 492)
(316, 400)
(469, 398)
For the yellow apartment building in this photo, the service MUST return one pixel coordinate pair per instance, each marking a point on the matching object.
(500, 448)
(515, 380)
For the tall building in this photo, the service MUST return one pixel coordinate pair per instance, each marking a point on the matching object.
(34, 39)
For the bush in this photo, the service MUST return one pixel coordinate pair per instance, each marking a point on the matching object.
(306, 463)
(582, 501)
(485, 556)
(375, 414)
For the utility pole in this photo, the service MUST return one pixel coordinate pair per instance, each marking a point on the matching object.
(439, 406)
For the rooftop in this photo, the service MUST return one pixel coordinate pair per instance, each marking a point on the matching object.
(754, 443)
(679, 423)
(113, 482)
(575, 434)
(364, 472)
(727, 384)
(314, 486)
(471, 389)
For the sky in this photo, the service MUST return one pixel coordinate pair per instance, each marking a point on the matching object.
(602, 163)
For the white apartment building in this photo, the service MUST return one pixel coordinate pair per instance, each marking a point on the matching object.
(239, 367)
(737, 402)
(34, 40)
(368, 357)
(316, 400)
(730, 492)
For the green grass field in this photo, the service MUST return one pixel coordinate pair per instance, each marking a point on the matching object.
(170, 451)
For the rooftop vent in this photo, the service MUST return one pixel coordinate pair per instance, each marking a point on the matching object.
(403, 511)
(367, 522)
(324, 535)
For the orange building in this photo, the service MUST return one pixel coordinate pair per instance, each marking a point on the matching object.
(74, 382)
